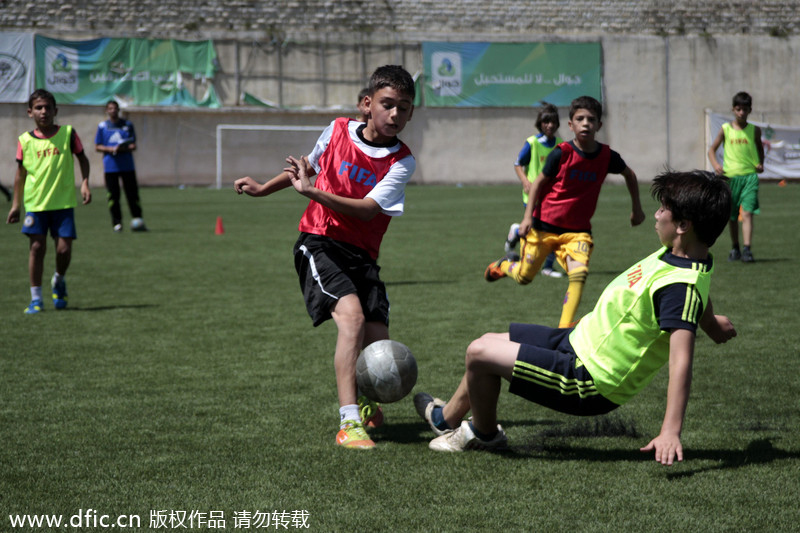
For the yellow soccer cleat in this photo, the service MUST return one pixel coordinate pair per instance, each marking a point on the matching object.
(353, 435)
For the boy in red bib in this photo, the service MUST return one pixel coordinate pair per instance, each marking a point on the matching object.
(562, 201)
(361, 172)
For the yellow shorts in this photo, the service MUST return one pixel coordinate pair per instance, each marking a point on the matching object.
(537, 245)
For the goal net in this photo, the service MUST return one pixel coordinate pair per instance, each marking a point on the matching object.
(259, 150)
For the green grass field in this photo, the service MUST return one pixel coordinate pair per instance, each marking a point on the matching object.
(185, 377)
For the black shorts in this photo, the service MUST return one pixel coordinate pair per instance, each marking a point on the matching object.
(329, 269)
(548, 372)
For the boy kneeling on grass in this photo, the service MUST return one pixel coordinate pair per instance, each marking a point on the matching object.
(647, 316)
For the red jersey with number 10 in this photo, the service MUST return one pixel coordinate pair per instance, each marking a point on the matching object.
(348, 172)
(571, 197)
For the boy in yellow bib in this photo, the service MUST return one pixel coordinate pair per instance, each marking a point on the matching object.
(646, 317)
(743, 160)
(46, 178)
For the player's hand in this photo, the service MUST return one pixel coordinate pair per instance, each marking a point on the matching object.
(667, 448)
(718, 170)
(299, 172)
(527, 187)
(246, 185)
(13, 216)
(759, 168)
(637, 217)
(724, 330)
(524, 227)
(86, 192)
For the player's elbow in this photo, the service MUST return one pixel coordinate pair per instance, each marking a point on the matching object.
(369, 210)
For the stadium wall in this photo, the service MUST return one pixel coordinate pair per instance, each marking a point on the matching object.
(656, 89)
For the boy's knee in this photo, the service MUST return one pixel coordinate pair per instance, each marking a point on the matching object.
(527, 271)
(349, 317)
(476, 353)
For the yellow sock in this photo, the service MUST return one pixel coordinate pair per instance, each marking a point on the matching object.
(577, 279)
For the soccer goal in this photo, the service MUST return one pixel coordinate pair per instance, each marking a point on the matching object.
(289, 140)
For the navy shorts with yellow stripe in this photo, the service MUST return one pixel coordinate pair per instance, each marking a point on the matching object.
(548, 372)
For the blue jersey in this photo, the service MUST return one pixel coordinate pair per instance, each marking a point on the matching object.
(114, 134)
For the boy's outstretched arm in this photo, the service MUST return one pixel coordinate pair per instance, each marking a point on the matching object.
(718, 327)
(300, 170)
(667, 444)
(637, 214)
(251, 187)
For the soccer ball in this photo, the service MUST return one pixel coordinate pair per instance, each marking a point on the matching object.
(386, 371)
(137, 224)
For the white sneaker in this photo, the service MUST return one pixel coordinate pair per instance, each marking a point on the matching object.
(512, 232)
(463, 438)
(424, 404)
(512, 239)
(117, 228)
(550, 273)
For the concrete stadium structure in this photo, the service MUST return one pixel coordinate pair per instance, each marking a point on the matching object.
(664, 64)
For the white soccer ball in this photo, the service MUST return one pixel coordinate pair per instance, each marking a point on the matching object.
(386, 371)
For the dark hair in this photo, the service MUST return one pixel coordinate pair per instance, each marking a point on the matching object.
(547, 113)
(700, 197)
(43, 94)
(742, 99)
(361, 94)
(586, 102)
(393, 76)
(112, 102)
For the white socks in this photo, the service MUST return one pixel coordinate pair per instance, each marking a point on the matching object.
(349, 412)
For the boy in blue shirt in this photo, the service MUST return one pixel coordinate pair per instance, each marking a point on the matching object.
(646, 317)
(116, 140)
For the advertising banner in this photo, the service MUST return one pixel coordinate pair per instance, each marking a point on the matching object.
(135, 71)
(781, 146)
(16, 66)
(482, 74)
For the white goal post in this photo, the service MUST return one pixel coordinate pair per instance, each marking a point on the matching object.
(251, 127)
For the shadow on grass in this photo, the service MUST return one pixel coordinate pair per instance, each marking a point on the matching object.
(419, 282)
(110, 307)
(405, 433)
(760, 451)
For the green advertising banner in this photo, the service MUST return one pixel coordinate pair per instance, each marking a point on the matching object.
(459, 74)
(134, 71)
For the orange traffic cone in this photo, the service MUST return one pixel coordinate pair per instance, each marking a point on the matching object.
(220, 230)
(782, 183)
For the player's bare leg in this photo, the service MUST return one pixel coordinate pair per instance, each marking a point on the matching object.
(747, 228)
(63, 255)
(375, 331)
(457, 406)
(349, 319)
(350, 323)
(37, 249)
(489, 359)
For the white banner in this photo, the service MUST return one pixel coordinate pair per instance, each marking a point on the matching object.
(781, 146)
(16, 66)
